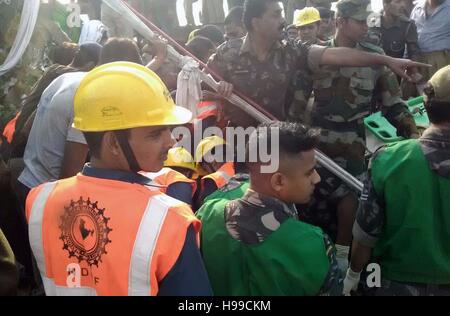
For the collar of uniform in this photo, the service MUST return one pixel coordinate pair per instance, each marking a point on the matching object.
(386, 25)
(265, 201)
(437, 135)
(332, 43)
(246, 46)
(116, 175)
(241, 177)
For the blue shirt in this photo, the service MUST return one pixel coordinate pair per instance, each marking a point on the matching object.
(434, 30)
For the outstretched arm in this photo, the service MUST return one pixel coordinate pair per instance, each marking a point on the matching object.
(343, 56)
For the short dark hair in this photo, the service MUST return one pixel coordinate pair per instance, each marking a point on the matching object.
(63, 54)
(438, 111)
(94, 141)
(120, 49)
(291, 26)
(254, 9)
(212, 32)
(87, 53)
(325, 13)
(235, 16)
(199, 46)
(294, 138)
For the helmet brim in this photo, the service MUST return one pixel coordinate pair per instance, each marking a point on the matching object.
(178, 116)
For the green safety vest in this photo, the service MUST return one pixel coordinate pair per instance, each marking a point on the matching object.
(291, 261)
(415, 244)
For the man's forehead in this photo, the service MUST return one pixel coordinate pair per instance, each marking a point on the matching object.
(273, 7)
(304, 160)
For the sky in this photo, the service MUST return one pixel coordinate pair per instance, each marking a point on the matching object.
(376, 6)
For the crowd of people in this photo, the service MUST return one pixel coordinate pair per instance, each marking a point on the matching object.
(98, 197)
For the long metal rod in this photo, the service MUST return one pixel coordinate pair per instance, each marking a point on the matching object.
(146, 32)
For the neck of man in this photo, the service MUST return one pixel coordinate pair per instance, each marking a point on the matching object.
(433, 4)
(343, 41)
(261, 184)
(104, 164)
(260, 45)
(443, 126)
(389, 18)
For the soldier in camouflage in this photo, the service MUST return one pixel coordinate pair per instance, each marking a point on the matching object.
(265, 211)
(403, 215)
(263, 67)
(393, 31)
(342, 100)
(397, 35)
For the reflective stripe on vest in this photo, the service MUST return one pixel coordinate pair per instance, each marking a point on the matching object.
(139, 280)
(167, 176)
(206, 109)
(144, 246)
(37, 245)
(221, 176)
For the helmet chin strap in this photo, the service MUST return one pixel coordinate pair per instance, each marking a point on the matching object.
(122, 138)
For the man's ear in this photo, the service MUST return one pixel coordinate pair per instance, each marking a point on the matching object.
(255, 24)
(340, 21)
(277, 181)
(111, 143)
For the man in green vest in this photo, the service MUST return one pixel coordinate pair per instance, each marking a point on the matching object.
(404, 214)
(256, 245)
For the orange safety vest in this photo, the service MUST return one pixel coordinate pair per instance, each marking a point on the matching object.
(10, 128)
(167, 176)
(221, 176)
(206, 109)
(94, 236)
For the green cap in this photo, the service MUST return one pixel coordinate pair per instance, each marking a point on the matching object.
(355, 9)
(441, 84)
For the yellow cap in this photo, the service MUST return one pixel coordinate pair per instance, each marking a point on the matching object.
(307, 16)
(440, 82)
(180, 157)
(206, 145)
(122, 95)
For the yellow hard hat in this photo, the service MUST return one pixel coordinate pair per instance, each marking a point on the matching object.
(307, 16)
(192, 35)
(123, 95)
(206, 145)
(180, 157)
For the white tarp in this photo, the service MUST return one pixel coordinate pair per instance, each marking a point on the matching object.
(28, 20)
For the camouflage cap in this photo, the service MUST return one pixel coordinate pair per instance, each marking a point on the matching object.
(355, 9)
(441, 84)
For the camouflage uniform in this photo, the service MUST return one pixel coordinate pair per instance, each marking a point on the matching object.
(254, 217)
(343, 99)
(267, 83)
(370, 219)
(395, 38)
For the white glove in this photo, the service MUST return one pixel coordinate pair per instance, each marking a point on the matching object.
(351, 281)
(342, 257)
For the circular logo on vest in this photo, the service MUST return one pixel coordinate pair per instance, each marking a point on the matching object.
(84, 231)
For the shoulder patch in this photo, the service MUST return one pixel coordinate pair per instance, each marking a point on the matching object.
(371, 48)
(235, 43)
(404, 19)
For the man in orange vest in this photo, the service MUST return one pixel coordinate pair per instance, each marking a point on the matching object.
(176, 176)
(110, 230)
(210, 157)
